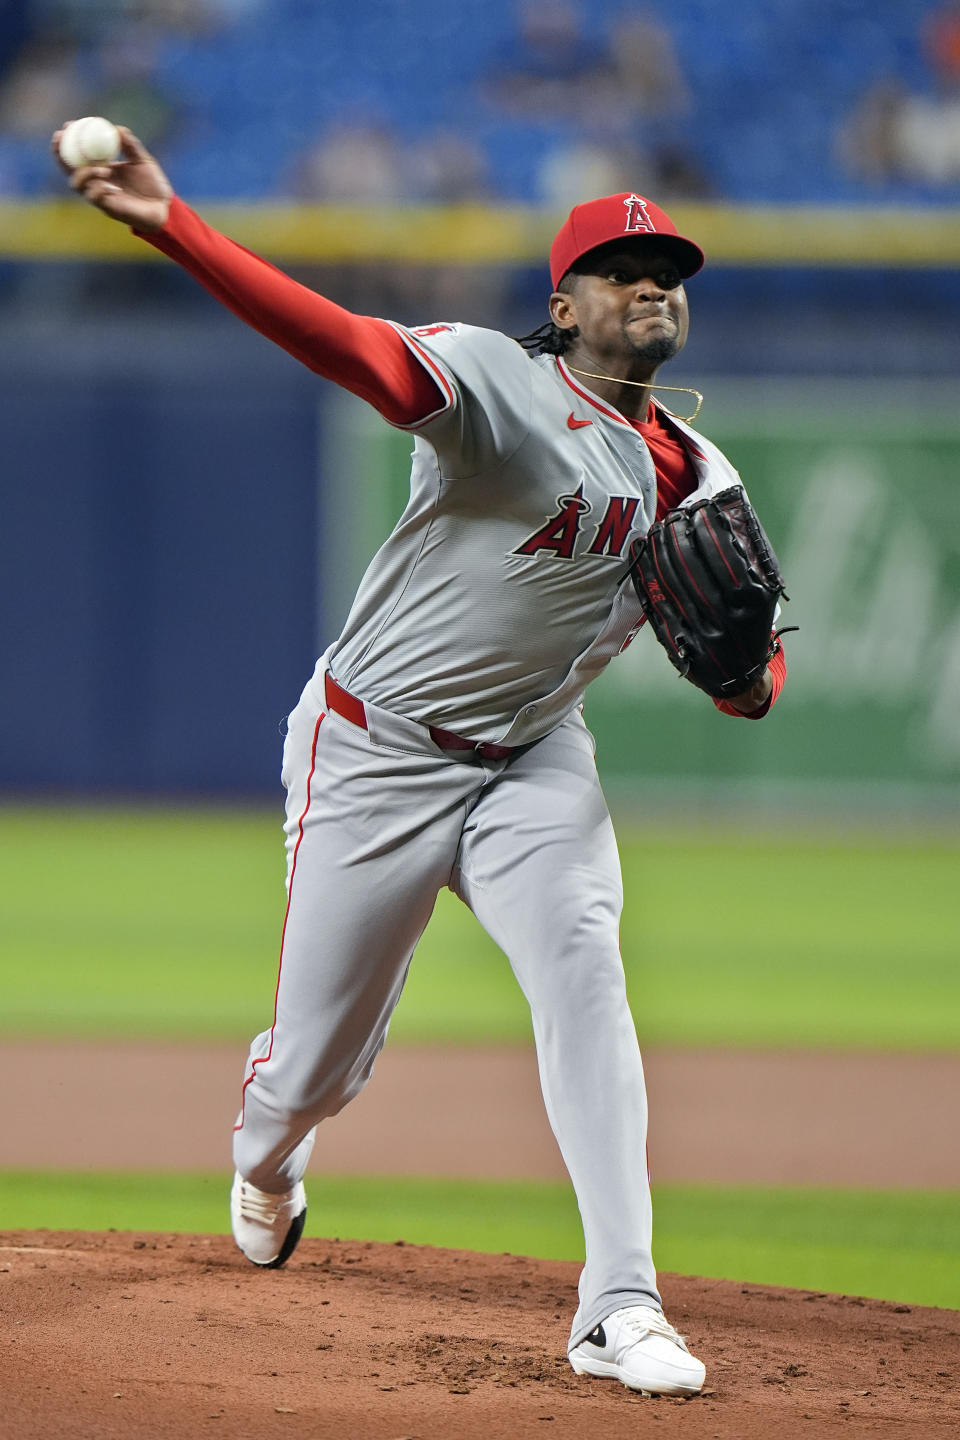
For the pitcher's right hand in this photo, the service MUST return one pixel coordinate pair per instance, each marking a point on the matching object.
(133, 190)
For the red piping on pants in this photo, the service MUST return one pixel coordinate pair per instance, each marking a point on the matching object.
(260, 1059)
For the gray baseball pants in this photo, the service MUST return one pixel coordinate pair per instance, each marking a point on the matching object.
(377, 821)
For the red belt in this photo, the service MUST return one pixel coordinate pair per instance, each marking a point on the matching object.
(341, 702)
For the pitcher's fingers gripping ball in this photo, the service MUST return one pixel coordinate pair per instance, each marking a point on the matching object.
(91, 140)
(709, 582)
(132, 188)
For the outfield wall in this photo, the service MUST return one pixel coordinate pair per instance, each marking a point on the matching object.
(856, 482)
(158, 558)
(186, 512)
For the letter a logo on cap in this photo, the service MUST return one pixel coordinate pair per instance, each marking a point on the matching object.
(637, 217)
(600, 222)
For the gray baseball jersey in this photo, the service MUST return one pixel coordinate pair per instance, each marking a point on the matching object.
(500, 593)
(498, 596)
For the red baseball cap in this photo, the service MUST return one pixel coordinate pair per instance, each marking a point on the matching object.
(618, 217)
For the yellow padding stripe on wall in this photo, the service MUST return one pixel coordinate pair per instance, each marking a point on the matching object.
(473, 235)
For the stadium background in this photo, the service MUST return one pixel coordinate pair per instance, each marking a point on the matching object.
(186, 512)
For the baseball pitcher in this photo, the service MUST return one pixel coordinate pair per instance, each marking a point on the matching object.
(555, 504)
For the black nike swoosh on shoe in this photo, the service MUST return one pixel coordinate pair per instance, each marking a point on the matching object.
(290, 1243)
(597, 1337)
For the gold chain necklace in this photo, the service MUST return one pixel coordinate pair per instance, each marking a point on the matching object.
(647, 385)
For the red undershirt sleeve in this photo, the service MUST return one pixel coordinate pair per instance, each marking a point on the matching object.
(778, 674)
(365, 355)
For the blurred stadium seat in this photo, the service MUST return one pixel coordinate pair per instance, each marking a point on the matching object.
(770, 88)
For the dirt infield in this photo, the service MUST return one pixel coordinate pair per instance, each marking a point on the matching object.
(143, 1337)
(798, 1118)
(147, 1337)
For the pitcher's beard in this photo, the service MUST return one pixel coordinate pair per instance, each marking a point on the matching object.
(657, 352)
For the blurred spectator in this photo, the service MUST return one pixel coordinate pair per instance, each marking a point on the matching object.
(557, 70)
(894, 135)
(929, 139)
(626, 136)
(941, 43)
(447, 168)
(356, 163)
(646, 70)
(90, 20)
(680, 175)
(87, 66)
(553, 69)
(362, 163)
(869, 141)
(587, 166)
(41, 89)
(127, 88)
(614, 103)
(181, 17)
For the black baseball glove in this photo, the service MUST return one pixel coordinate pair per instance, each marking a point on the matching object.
(709, 582)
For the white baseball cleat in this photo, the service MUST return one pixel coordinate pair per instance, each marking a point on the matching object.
(640, 1348)
(267, 1228)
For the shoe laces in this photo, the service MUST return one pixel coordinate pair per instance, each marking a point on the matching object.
(643, 1320)
(256, 1205)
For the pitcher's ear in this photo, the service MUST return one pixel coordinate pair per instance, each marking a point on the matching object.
(563, 310)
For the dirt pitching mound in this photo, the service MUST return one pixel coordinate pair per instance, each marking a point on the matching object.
(144, 1335)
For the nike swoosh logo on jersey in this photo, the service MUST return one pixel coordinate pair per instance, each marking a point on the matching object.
(573, 424)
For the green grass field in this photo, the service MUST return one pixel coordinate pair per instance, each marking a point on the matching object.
(891, 1245)
(166, 923)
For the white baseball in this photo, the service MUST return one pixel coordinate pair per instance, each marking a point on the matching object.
(90, 141)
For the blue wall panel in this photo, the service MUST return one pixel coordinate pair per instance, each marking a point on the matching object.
(158, 574)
